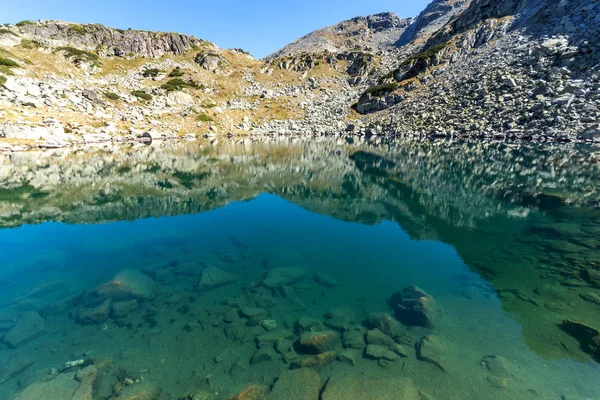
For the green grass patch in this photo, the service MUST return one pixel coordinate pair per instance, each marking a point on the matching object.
(8, 32)
(2, 80)
(380, 90)
(5, 70)
(76, 55)
(25, 22)
(179, 84)
(203, 117)
(7, 62)
(425, 55)
(176, 72)
(112, 96)
(78, 29)
(140, 94)
(208, 105)
(151, 72)
(30, 44)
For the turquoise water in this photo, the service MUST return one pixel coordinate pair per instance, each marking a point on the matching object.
(500, 238)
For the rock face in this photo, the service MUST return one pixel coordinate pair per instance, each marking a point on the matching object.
(298, 384)
(433, 17)
(128, 284)
(213, 277)
(28, 327)
(112, 42)
(361, 387)
(415, 307)
(373, 32)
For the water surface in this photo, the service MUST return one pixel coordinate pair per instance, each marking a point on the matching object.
(503, 237)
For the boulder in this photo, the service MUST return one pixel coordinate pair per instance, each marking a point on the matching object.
(415, 307)
(376, 337)
(325, 280)
(362, 387)
(340, 318)
(318, 342)
(93, 315)
(587, 336)
(281, 276)
(435, 350)
(297, 384)
(354, 338)
(254, 315)
(209, 61)
(252, 392)
(213, 277)
(121, 308)
(127, 285)
(386, 324)
(377, 352)
(499, 370)
(316, 361)
(28, 327)
(62, 387)
(178, 98)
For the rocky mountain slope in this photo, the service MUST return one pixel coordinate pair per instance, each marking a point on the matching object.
(480, 68)
(375, 33)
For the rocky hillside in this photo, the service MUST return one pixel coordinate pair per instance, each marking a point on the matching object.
(374, 33)
(480, 68)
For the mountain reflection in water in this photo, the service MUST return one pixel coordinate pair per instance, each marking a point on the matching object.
(524, 217)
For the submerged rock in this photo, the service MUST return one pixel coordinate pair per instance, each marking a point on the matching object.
(93, 315)
(325, 280)
(386, 324)
(281, 276)
(318, 342)
(127, 285)
(254, 315)
(317, 361)
(120, 309)
(354, 338)
(28, 327)
(499, 370)
(376, 337)
(296, 384)
(377, 352)
(435, 350)
(340, 318)
(362, 387)
(252, 392)
(62, 387)
(587, 336)
(414, 306)
(212, 278)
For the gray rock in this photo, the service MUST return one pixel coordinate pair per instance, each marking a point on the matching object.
(377, 352)
(325, 280)
(282, 276)
(213, 277)
(127, 285)
(93, 315)
(28, 327)
(415, 307)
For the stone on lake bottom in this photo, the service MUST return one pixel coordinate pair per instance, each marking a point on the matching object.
(213, 278)
(282, 276)
(28, 327)
(126, 285)
(297, 384)
(362, 387)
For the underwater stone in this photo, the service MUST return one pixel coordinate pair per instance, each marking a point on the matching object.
(93, 315)
(587, 336)
(28, 327)
(317, 361)
(254, 315)
(307, 324)
(142, 390)
(296, 384)
(434, 349)
(325, 280)
(387, 324)
(377, 352)
(376, 337)
(499, 370)
(126, 285)
(62, 306)
(122, 308)
(354, 339)
(252, 392)
(592, 276)
(318, 342)
(264, 354)
(415, 307)
(62, 387)
(214, 277)
(348, 356)
(340, 318)
(362, 387)
(282, 276)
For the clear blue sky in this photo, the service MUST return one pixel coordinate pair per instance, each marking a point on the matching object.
(259, 26)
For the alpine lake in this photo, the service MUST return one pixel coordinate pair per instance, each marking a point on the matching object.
(301, 269)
